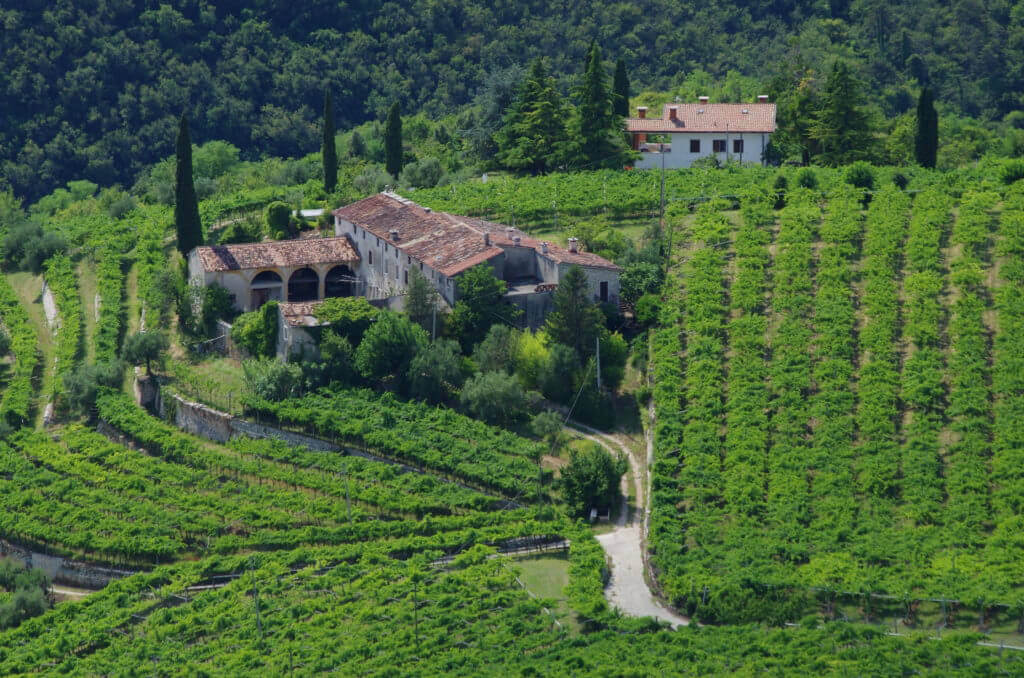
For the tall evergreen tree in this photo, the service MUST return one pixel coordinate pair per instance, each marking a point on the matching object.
(598, 131)
(393, 141)
(840, 125)
(533, 136)
(926, 141)
(329, 151)
(575, 320)
(620, 87)
(186, 205)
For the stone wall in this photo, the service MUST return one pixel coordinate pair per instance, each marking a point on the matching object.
(62, 570)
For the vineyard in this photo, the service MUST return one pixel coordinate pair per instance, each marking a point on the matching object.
(838, 401)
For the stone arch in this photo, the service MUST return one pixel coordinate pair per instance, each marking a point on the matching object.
(265, 286)
(340, 281)
(304, 285)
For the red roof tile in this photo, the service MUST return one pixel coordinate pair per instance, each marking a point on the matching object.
(445, 242)
(708, 118)
(279, 253)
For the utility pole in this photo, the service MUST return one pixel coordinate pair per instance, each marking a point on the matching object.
(598, 342)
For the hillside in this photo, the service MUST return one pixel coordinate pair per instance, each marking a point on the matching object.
(93, 90)
(838, 409)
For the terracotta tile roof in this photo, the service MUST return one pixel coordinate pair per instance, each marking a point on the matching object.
(445, 242)
(280, 253)
(299, 313)
(708, 118)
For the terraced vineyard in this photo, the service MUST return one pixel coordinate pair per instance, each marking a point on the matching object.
(838, 397)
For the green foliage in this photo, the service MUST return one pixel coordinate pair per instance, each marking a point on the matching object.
(85, 383)
(926, 139)
(614, 353)
(338, 358)
(421, 302)
(591, 479)
(16, 400)
(328, 149)
(806, 178)
(1011, 171)
(61, 278)
(533, 137)
(497, 352)
(186, 205)
(348, 316)
(216, 304)
(425, 173)
(620, 90)
(436, 371)
(638, 279)
(479, 305)
(647, 309)
(356, 145)
(860, 175)
(595, 127)
(559, 374)
(494, 397)
(256, 332)
(841, 126)
(278, 217)
(393, 160)
(575, 320)
(272, 379)
(145, 348)
(388, 348)
(27, 246)
(29, 588)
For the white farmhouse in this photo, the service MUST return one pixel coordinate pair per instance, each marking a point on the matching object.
(687, 132)
(393, 235)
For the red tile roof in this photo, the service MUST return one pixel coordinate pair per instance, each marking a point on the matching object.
(299, 313)
(280, 253)
(708, 118)
(445, 242)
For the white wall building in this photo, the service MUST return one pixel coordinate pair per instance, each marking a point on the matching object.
(687, 132)
(393, 234)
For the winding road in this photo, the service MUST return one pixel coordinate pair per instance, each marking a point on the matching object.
(628, 589)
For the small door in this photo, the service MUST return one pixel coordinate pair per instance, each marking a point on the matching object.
(604, 291)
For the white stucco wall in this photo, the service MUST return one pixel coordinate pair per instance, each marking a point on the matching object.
(680, 156)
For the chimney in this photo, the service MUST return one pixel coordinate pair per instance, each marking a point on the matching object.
(544, 247)
(516, 240)
(762, 98)
(703, 99)
(509, 231)
(574, 245)
(673, 112)
(487, 239)
(641, 111)
(394, 235)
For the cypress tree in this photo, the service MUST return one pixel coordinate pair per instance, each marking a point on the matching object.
(329, 151)
(393, 141)
(186, 206)
(841, 126)
(926, 141)
(620, 86)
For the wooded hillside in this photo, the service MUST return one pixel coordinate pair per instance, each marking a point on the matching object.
(94, 89)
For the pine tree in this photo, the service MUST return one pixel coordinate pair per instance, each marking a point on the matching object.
(620, 86)
(533, 135)
(575, 321)
(186, 206)
(598, 128)
(840, 124)
(393, 141)
(329, 152)
(926, 141)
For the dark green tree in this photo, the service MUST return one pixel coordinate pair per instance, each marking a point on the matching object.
(186, 205)
(329, 151)
(421, 301)
(598, 131)
(591, 479)
(356, 145)
(840, 124)
(479, 306)
(533, 136)
(144, 348)
(926, 140)
(620, 88)
(495, 397)
(436, 371)
(393, 141)
(388, 348)
(576, 321)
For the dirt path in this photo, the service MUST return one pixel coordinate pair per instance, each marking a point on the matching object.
(627, 589)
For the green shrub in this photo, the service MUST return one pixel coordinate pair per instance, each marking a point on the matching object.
(278, 216)
(272, 379)
(807, 178)
(861, 175)
(1011, 171)
(256, 332)
(494, 397)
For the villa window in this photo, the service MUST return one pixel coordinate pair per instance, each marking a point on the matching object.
(694, 145)
(737, 145)
(718, 145)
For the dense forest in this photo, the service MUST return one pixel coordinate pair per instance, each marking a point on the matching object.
(93, 89)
